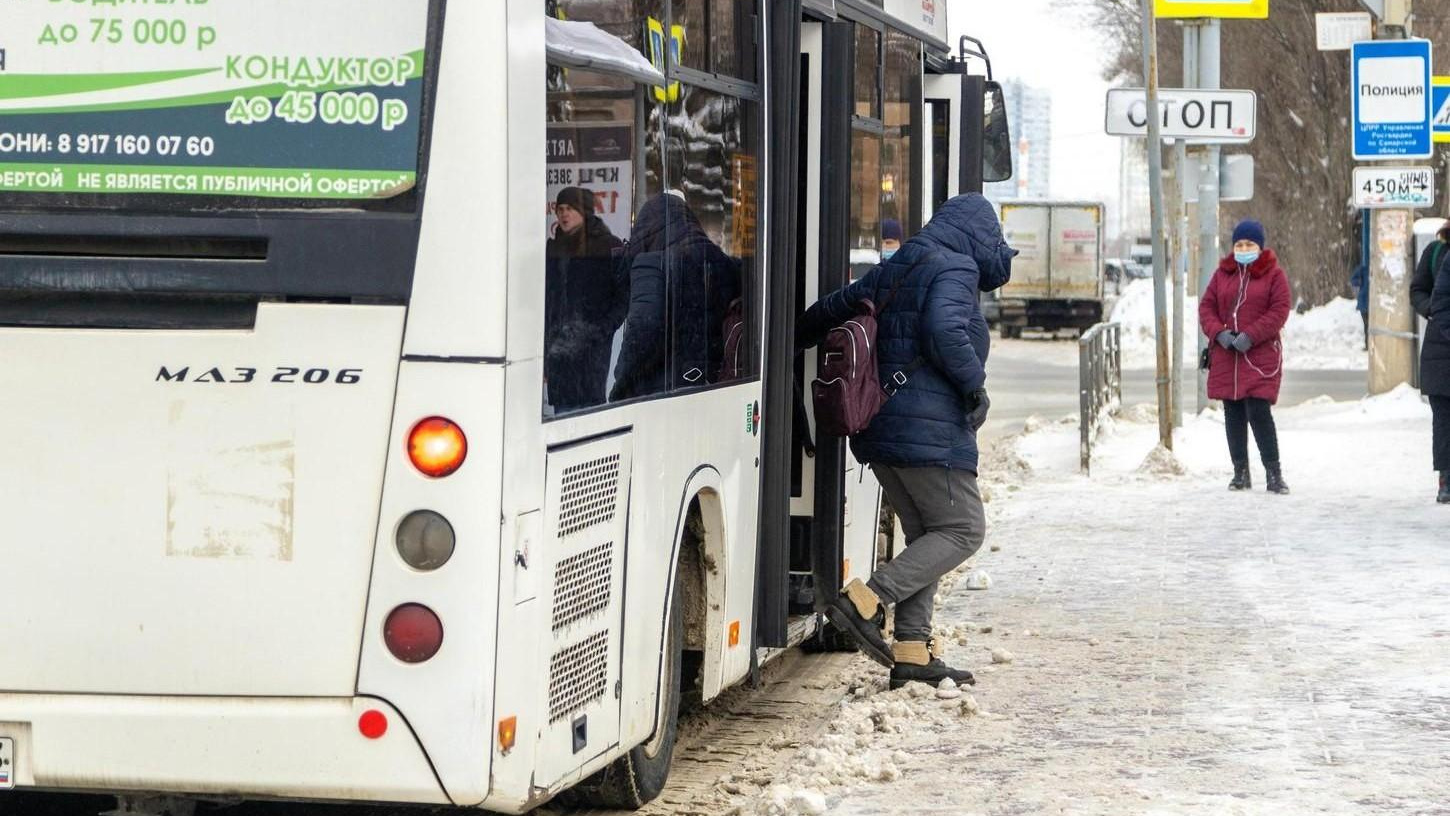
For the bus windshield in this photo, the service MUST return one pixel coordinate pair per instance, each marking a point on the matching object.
(254, 104)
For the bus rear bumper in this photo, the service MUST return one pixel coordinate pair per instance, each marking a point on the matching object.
(291, 748)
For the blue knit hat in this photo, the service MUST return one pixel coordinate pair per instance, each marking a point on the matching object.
(891, 230)
(1250, 231)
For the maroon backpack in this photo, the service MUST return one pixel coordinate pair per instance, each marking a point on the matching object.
(848, 392)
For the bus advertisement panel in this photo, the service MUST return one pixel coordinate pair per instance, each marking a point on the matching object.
(231, 98)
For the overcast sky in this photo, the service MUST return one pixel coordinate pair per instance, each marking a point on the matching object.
(1035, 41)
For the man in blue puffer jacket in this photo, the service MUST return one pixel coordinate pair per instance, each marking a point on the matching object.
(922, 446)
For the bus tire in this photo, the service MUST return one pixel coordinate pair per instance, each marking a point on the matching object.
(829, 639)
(635, 779)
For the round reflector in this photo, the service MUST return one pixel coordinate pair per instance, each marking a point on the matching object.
(425, 540)
(373, 724)
(413, 633)
(437, 447)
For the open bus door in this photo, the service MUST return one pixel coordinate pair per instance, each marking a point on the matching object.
(818, 511)
(804, 493)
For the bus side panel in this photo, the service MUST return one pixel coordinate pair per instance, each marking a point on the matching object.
(459, 295)
(447, 699)
(683, 445)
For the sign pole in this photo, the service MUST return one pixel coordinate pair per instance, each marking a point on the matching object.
(1392, 327)
(1155, 187)
(1209, 43)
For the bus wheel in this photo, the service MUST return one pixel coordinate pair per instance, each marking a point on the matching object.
(828, 639)
(636, 778)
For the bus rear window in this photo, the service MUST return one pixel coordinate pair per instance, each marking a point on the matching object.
(263, 104)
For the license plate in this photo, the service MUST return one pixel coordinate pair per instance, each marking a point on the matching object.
(7, 763)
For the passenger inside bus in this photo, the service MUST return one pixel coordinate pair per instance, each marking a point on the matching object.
(682, 287)
(584, 307)
(890, 238)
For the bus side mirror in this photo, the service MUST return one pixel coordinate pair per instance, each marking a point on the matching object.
(996, 137)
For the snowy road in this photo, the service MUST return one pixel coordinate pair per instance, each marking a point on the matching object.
(1039, 377)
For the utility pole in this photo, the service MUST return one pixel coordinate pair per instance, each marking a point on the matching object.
(1180, 283)
(1155, 188)
(1391, 319)
(1180, 226)
(1209, 48)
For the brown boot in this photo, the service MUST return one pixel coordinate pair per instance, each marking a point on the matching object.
(918, 662)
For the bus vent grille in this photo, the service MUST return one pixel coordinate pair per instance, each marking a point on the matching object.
(590, 492)
(578, 675)
(581, 585)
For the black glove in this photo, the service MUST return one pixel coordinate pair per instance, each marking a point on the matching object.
(977, 416)
(1226, 339)
(1243, 343)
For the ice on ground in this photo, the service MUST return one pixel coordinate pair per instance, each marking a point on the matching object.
(1330, 337)
(978, 579)
(1000, 655)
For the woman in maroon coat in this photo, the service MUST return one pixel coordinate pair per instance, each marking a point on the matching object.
(1242, 312)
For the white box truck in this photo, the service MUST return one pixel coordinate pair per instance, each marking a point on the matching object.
(1057, 280)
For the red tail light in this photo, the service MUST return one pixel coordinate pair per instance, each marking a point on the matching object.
(437, 447)
(413, 633)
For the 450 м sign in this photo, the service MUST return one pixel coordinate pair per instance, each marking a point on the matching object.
(238, 98)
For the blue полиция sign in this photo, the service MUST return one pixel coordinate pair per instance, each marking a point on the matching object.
(1391, 100)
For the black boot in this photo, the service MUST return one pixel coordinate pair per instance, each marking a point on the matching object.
(918, 662)
(1275, 478)
(1242, 479)
(1444, 497)
(858, 612)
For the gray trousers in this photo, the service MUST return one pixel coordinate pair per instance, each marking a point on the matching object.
(941, 513)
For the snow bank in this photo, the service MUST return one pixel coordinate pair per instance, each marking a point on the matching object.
(1330, 337)
(1134, 312)
(1314, 436)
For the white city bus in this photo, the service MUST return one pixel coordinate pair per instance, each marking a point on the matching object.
(398, 396)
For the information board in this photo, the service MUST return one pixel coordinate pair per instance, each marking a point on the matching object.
(232, 98)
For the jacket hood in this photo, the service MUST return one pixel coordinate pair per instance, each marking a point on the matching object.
(663, 221)
(967, 225)
(1266, 263)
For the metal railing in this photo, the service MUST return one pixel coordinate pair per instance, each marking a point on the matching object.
(1100, 381)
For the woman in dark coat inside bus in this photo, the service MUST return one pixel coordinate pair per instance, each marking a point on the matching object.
(581, 311)
(1430, 294)
(677, 303)
(1242, 313)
